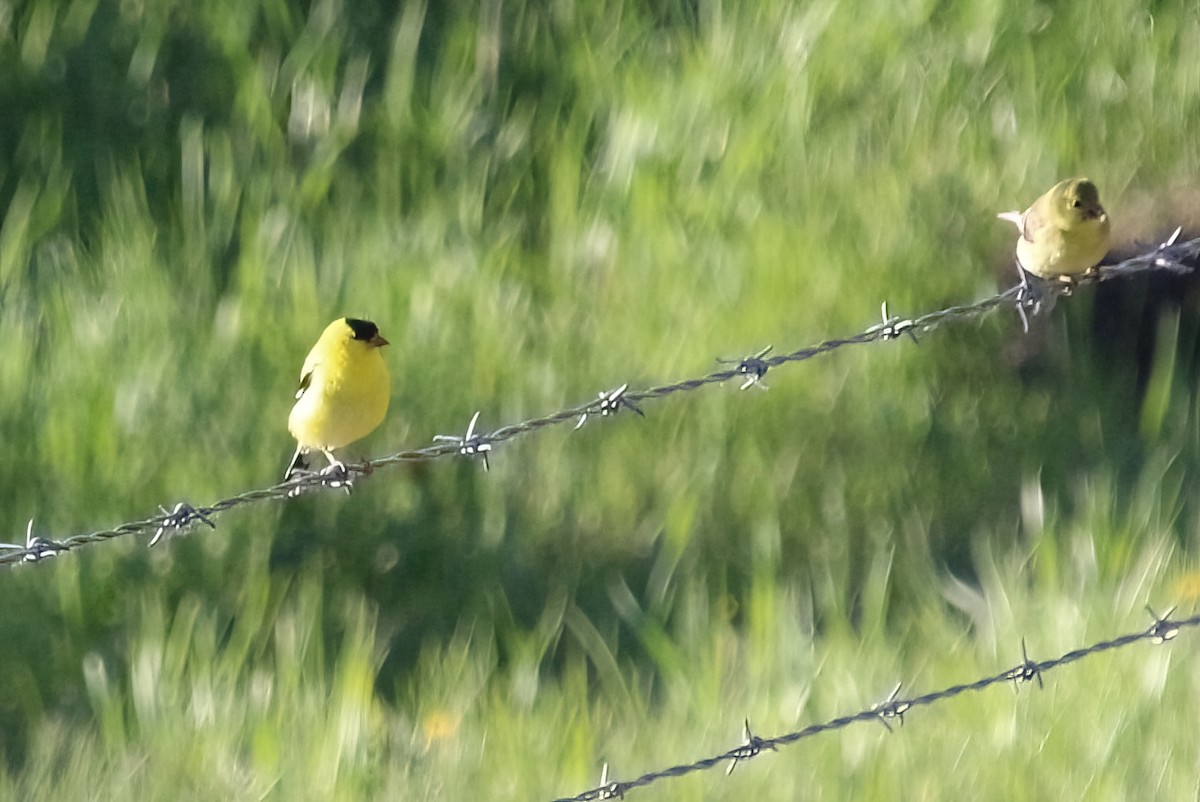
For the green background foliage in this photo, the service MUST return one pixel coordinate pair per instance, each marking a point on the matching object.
(537, 201)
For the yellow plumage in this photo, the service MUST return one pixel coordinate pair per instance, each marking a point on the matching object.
(344, 390)
(1065, 231)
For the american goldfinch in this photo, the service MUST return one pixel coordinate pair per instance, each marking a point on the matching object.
(1064, 232)
(344, 391)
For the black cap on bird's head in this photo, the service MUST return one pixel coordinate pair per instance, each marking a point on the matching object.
(366, 331)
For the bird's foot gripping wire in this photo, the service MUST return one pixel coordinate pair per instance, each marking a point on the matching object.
(335, 476)
(1037, 295)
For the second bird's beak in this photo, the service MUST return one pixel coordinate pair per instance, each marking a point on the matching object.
(377, 341)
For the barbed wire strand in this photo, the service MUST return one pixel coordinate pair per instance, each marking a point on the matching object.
(1178, 258)
(894, 708)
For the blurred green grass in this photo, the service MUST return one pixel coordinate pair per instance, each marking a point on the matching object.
(535, 202)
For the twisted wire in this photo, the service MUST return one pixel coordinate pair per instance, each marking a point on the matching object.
(1163, 629)
(1178, 258)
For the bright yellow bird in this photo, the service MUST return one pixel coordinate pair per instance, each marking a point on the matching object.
(1064, 232)
(344, 391)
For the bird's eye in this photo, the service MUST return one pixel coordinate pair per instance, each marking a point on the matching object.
(1077, 203)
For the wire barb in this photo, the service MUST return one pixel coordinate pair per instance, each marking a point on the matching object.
(892, 708)
(1170, 264)
(1027, 671)
(753, 367)
(609, 402)
(608, 789)
(1171, 255)
(35, 548)
(752, 746)
(892, 327)
(470, 445)
(1163, 629)
(176, 520)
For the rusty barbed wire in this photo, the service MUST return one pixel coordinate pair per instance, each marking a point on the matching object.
(894, 708)
(1179, 258)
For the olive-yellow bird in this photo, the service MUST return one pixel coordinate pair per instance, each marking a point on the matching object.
(344, 391)
(1064, 233)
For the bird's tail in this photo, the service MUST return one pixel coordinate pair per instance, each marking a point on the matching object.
(1016, 218)
(299, 462)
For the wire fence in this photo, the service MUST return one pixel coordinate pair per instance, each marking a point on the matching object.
(894, 708)
(1027, 297)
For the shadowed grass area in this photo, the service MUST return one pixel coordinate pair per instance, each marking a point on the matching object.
(273, 704)
(536, 202)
